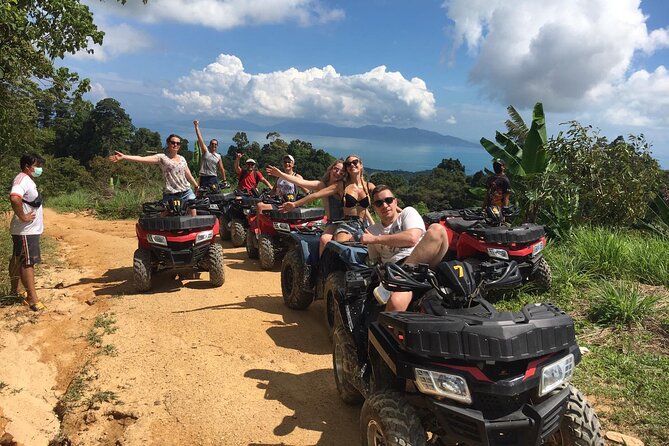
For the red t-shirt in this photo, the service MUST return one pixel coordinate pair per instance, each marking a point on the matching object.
(249, 180)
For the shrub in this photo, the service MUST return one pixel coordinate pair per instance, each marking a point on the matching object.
(621, 303)
(79, 200)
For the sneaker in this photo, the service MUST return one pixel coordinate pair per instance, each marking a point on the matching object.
(381, 294)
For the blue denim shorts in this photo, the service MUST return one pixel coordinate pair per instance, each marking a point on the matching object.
(185, 195)
(356, 227)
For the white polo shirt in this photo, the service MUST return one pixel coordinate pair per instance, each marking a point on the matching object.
(24, 187)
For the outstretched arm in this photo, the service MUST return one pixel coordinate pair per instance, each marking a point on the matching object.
(295, 179)
(203, 146)
(238, 169)
(330, 190)
(306, 190)
(149, 159)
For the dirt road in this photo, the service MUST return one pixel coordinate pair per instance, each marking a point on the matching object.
(182, 364)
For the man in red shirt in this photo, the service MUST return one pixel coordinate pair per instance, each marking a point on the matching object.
(249, 177)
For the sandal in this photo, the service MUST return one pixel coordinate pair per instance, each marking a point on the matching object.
(39, 306)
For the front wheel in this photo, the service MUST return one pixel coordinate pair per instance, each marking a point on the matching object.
(141, 269)
(344, 361)
(579, 426)
(335, 283)
(542, 278)
(251, 248)
(224, 227)
(237, 233)
(388, 419)
(215, 264)
(266, 252)
(295, 288)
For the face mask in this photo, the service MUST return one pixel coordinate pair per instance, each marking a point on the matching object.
(37, 171)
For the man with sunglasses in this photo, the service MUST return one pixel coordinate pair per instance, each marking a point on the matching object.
(400, 237)
(249, 177)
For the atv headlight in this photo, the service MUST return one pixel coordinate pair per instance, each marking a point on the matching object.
(213, 207)
(443, 384)
(556, 374)
(246, 211)
(497, 253)
(280, 226)
(204, 236)
(156, 239)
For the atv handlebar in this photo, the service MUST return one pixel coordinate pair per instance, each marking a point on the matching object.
(175, 207)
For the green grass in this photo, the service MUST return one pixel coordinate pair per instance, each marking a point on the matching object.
(621, 303)
(79, 200)
(105, 396)
(106, 322)
(125, 204)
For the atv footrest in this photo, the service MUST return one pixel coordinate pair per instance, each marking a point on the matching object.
(177, 223)
(538, 330)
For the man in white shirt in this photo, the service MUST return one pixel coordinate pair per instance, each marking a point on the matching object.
(401, 237)
(26, 227)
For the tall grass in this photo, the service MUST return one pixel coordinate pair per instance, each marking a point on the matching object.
(621, 303)
(125, 204)
(79, 200)
(5, 255)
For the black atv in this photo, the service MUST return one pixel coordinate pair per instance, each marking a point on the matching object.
(235, 209)
(453, 370)
(219, 204)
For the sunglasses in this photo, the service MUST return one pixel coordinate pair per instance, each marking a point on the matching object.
(214, 144)
(387, 200)
(175, 143)
(250, 164)
(351, 163)
(287, 161)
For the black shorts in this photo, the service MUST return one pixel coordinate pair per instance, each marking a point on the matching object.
(26, 248)
(208, 180)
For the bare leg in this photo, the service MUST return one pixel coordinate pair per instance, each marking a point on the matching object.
(14, 274)
(342, 237)
(431, 249)
(28, 279)
(325, 238)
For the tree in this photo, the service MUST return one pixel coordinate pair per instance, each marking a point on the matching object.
(145, 140)
(108, 128)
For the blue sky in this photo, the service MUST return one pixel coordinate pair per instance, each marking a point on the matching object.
(449, 66)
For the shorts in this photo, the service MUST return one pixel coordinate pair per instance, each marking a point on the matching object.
(26, 248)
(355, 226)
(208, 180)
(185, 195)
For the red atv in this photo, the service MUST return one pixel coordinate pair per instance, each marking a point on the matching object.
(268, 237)
(170, 239)
(484, 234)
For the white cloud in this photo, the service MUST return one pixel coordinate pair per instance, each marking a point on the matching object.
(97, 92)
(451, 120)
(378, 96)
(118, 39)
(568, 54)
(227, 14)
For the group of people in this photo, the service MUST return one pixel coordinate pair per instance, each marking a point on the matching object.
(399, 236)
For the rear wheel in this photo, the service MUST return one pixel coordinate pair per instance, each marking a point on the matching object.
(215, 263)
(542, 278)
(224, 228)
(141, 269)
(237, 233)
(334, 284)
(251, 248)
(297, 293)
(344, 360)
(579, 426)
(388, 419)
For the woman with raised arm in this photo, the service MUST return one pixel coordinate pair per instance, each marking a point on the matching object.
(333, 207)
(353, 193)
(174, 167)
(211, 160)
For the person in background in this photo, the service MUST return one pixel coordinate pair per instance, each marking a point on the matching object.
(175, 170)
(498, 186)
(26, 227)
(248, 178)
(211, 160)
(283, 187)
(400, 237)
(334, 210)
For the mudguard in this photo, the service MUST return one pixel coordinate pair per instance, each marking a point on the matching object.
(353, 256)
(306, 245)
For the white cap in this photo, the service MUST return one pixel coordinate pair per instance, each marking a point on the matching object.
(290, 157)
(251, 160)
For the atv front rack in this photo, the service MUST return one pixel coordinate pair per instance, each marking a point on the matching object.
(177, 223)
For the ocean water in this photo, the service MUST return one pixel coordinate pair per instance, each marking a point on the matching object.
(375, 154)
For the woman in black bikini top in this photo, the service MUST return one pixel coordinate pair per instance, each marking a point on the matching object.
(350, 201)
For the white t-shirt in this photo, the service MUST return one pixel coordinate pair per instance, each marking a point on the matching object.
(24, 187)
(174, 174)
(409, 218)
(209, 163)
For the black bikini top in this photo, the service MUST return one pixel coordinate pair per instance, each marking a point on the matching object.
(351, 202)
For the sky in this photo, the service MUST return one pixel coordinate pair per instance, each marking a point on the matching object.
(451, 66)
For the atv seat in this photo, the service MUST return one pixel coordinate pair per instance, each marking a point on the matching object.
(297, 214)
(175, 223)
(525, 233)
(437, 216)
(459, 224)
